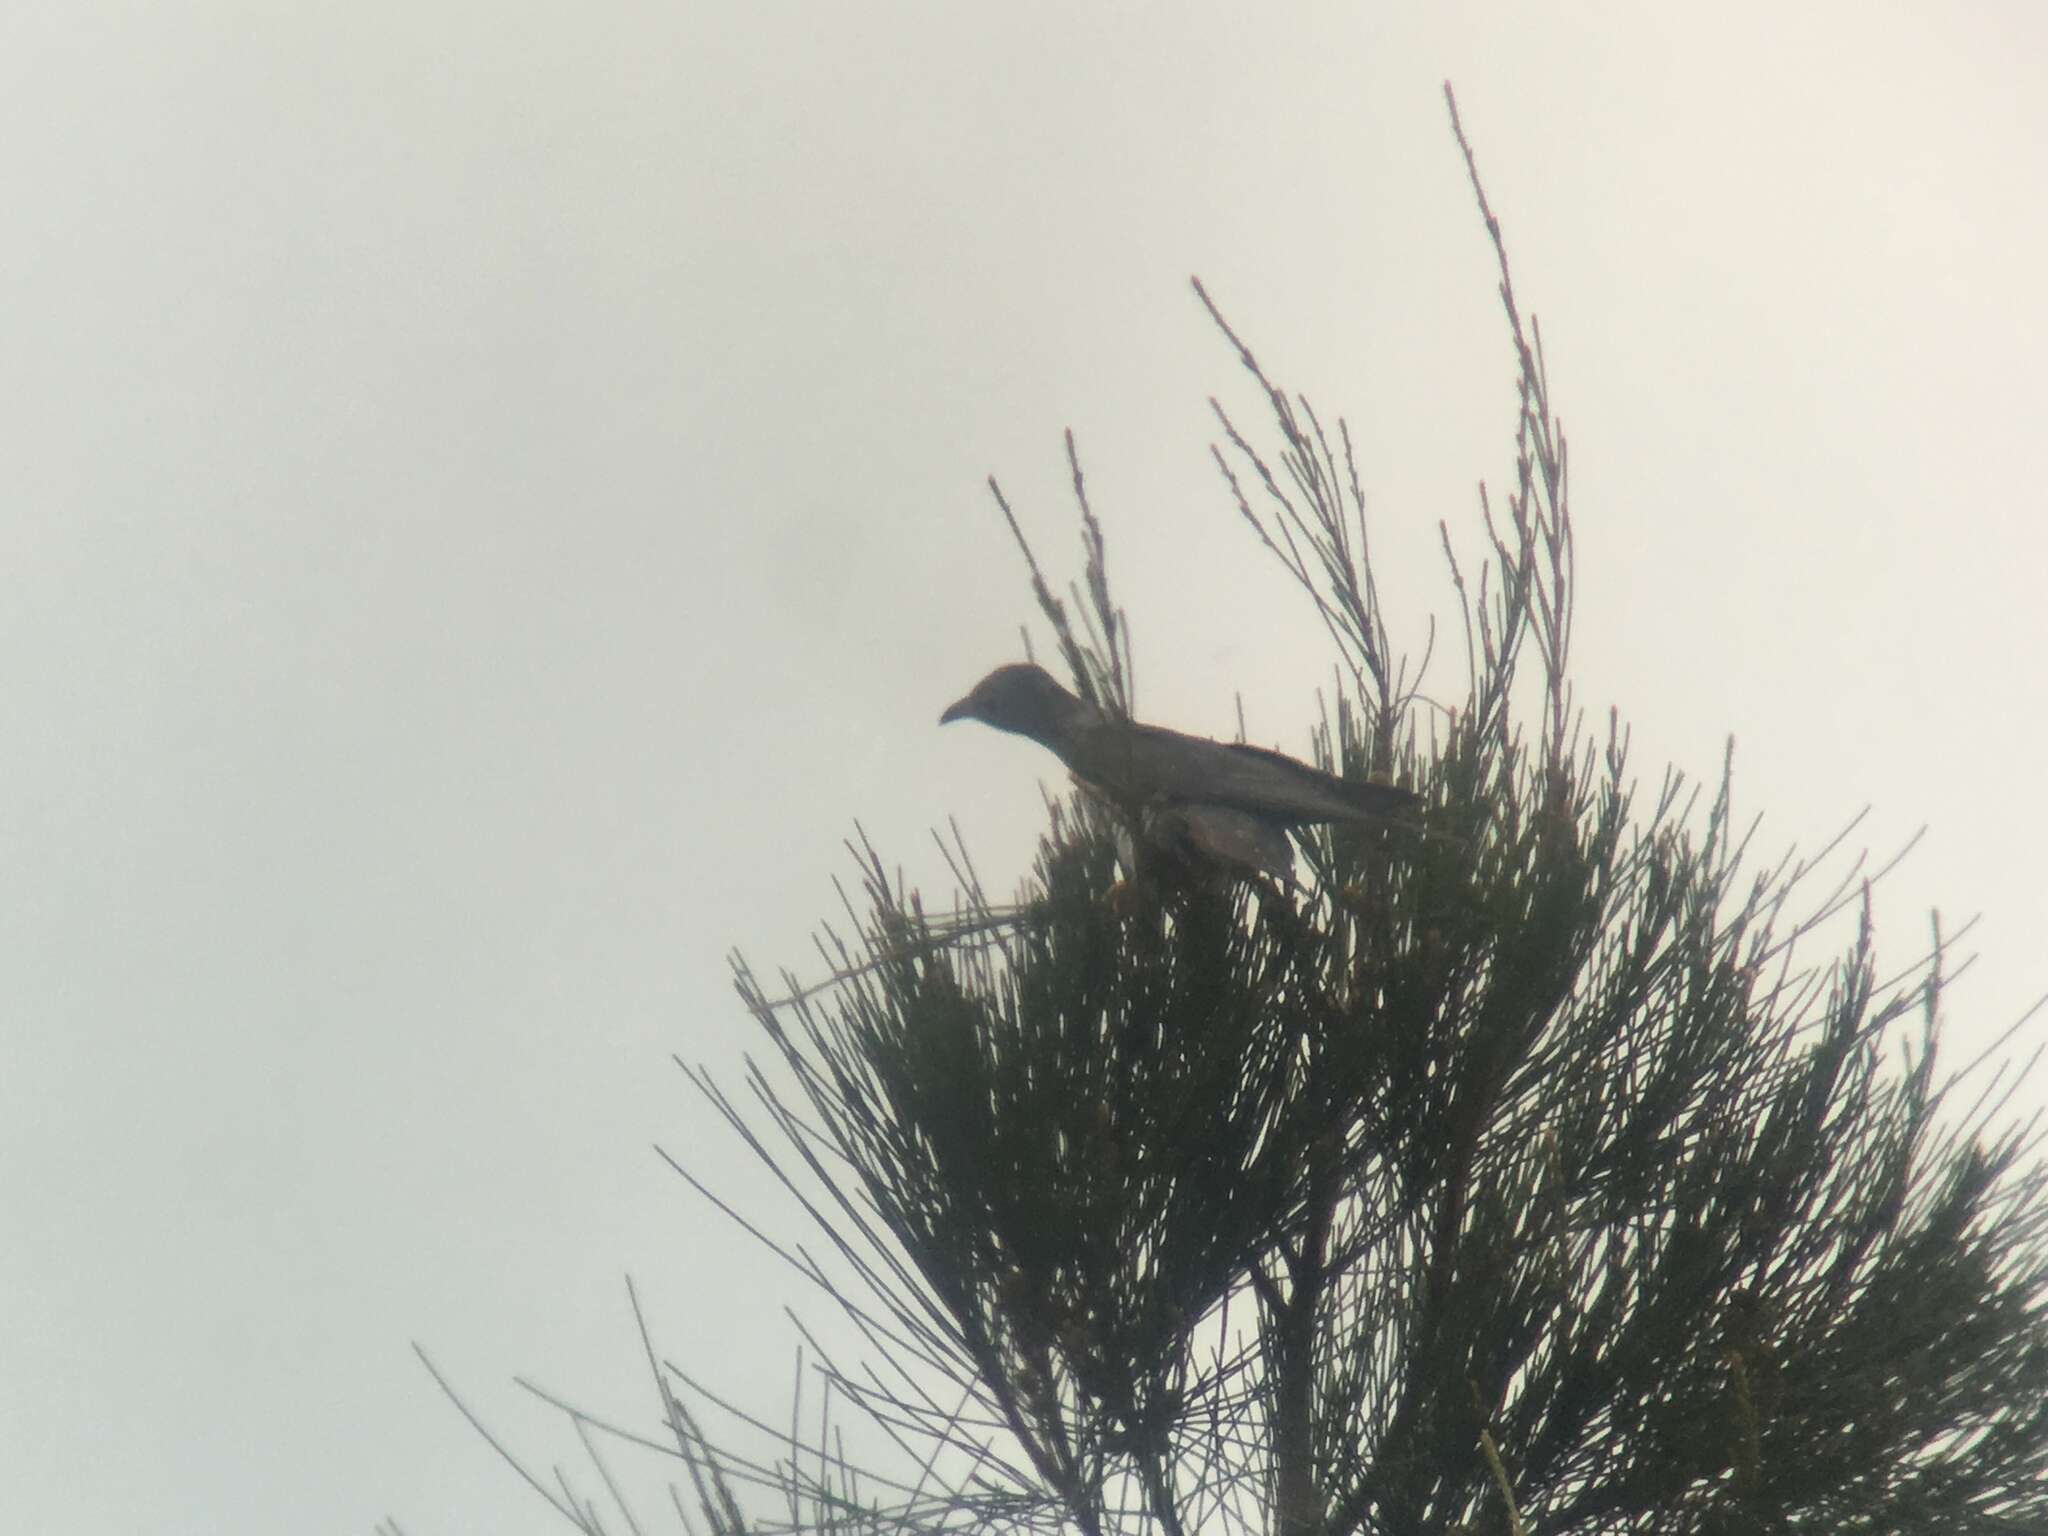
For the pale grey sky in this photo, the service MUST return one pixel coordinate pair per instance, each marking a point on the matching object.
(488, 494)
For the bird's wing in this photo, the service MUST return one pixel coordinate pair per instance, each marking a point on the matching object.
(1150, 763)
(1234, 838)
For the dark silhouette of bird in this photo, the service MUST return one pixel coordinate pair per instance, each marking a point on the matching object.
(1227, 802)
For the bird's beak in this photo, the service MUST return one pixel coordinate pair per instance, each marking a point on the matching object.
(960, 709)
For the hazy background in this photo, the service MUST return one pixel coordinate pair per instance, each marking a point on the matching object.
(489, 493)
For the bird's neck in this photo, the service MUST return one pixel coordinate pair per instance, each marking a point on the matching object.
(1068, 718)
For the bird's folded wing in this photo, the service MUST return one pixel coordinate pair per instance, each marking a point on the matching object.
(1233, 838)
(1150, 763)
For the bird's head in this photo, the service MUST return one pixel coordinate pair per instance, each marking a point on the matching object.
(1021, 698)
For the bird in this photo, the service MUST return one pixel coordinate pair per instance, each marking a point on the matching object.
(1226, 802)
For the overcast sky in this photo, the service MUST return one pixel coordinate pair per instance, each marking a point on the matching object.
(490, 493)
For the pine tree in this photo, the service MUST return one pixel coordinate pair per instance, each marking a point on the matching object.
(1519, 1173)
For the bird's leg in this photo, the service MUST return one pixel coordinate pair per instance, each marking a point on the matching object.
(1123, 899)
